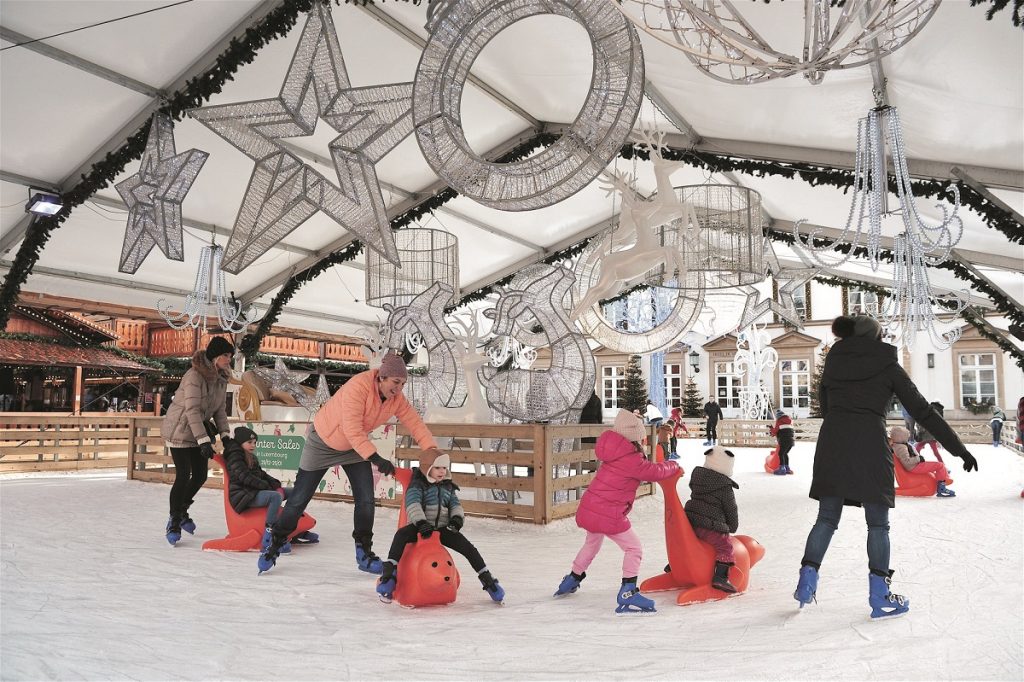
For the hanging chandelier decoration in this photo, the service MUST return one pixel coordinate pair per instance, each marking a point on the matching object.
(209, 298)
(911, 308)
(720, 41)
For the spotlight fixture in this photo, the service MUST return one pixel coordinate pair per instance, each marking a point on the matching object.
(44, 203)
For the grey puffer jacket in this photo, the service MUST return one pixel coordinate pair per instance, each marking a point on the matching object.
(712, 503)
(201, 395)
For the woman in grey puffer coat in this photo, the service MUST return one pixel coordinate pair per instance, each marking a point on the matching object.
(201, 396)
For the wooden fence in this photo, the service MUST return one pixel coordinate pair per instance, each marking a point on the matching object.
(45, 441)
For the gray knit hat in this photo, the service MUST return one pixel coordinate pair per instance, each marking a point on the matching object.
(865, 325)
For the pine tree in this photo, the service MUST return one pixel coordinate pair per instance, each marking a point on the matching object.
(634, 389)
(693, 403)
(819, 367)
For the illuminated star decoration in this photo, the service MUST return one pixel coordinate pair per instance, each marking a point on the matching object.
(287, 381)
(788, 280)
(283, 191)
(154, 196)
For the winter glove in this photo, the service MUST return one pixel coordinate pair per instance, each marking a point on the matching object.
(226, 440)
(969, 462)
(425, 529)
(455, 523)
(383, 465)
(208, 452)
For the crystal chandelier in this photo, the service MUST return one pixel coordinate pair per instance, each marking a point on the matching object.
(721, 42)
(911, 308)
(209, 293)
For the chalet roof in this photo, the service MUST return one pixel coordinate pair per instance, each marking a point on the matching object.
(24, 352)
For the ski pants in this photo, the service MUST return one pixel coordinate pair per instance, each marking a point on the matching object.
(190, 469)
(628, 541)
(720, 542)
(928, 467)
(785, 445)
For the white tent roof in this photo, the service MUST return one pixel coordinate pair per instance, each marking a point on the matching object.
(957, 85)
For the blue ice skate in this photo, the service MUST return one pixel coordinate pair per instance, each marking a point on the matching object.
(631, 601)
(569, 584)
(807, 586)
(884, 603)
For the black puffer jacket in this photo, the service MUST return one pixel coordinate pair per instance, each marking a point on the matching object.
(245, 481)
(852, 459)
(712, 502)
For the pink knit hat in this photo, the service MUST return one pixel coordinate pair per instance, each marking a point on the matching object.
(392, 366)
(629, 426)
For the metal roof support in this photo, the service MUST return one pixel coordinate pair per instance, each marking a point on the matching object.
(969, 262)
(971, 182)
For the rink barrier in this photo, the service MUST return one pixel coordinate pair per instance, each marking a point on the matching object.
(47, 441)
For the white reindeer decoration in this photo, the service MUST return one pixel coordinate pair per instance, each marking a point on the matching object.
(640, 216)
(376, 346)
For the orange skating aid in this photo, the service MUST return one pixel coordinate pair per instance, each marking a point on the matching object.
(245, 530)
(426, 574)
(692, 561)
(909, 484)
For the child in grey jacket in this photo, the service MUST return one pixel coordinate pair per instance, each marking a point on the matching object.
(712, 510)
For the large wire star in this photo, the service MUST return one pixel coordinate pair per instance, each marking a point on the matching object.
(788, 280)
(283, 191)
(154, 196)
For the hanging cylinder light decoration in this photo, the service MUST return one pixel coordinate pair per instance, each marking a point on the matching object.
(427, 256)
(727, 246)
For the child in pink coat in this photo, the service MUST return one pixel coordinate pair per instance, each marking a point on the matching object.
(604, 509)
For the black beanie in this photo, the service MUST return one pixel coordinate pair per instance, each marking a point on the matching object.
(243, 434)
(218, 346)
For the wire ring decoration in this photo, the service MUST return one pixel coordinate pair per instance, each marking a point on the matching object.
(679, 319)
(459, 31)
(720, 41)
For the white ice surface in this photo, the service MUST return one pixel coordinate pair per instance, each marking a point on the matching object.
(91, 590)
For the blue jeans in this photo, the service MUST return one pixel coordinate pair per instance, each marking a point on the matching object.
(830, 509)
(360, 477)
(271, 499)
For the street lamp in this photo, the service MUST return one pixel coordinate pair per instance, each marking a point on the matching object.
(695, 361)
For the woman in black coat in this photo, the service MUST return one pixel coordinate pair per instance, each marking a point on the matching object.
(853, 464)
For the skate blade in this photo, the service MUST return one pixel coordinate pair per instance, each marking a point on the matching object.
(384, 599)
(633, 611)
(879, 614)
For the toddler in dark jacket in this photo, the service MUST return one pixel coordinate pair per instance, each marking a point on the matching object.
(432, 505)
(712, 510)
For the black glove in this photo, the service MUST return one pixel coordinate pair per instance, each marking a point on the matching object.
(969, 462)
(225, 440)
(425, 529)
(383, 465)
(455, 523)
(207, 450)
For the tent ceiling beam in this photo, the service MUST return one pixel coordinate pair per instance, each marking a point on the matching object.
(969, 262)
(978, 187)
(672, 114)
(1009, 263)
(78, 63)
(398, 209)
(195, 69)
(406, 194)
(977, 300)
(1000, 178)
(419, 43)
(124, 283)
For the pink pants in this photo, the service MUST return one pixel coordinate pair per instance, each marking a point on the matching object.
(935, 448)
(928, 467)
(628, 542)
(719, 542)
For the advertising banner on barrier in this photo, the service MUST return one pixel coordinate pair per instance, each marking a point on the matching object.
(279, 450)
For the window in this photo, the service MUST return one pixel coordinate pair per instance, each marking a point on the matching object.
(860, 302)
(613, 380)
(673, 385)
(727, 385)
(977, 379)
(800, 302)
(795, 380)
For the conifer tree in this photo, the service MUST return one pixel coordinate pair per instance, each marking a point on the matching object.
(693, 403)
(634, 389)
(819, 366)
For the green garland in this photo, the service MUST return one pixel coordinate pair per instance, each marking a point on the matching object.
(198, 90)
(120, 352)
(997, 5)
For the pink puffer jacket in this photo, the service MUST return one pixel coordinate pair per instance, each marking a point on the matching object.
(606, 503)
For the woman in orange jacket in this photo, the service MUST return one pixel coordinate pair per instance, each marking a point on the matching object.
(340, 437)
